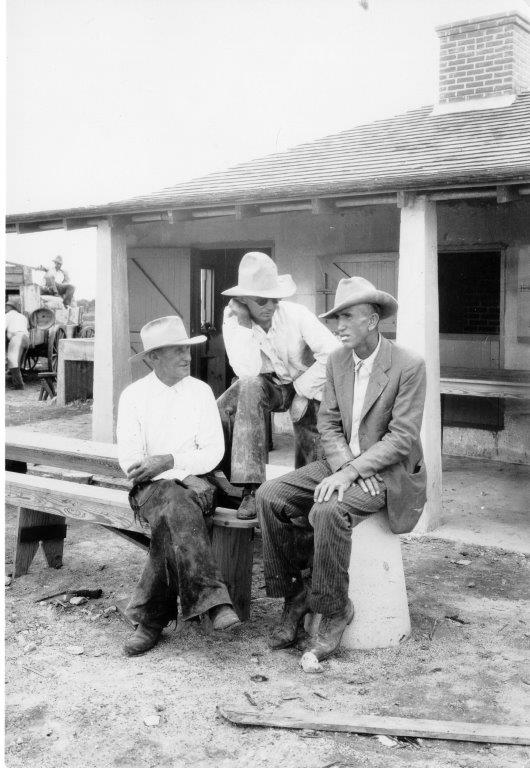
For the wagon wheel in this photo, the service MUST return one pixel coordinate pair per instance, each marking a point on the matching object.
(88, 332)
(30, 363)
(54, 336)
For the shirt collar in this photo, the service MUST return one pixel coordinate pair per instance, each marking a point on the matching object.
(155, 381)
(368, 362)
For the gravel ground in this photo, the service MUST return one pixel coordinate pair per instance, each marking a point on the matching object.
(73, 699)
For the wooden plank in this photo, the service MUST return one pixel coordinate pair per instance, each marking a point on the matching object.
(66, 452)
(451, 730)
(233, 552)
(79, 502)
(477, 388)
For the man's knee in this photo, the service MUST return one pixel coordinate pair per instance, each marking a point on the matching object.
(251, 386)
(269, 498)
(328, 514)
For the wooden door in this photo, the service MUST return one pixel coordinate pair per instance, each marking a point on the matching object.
(213, 271)
(159, 281)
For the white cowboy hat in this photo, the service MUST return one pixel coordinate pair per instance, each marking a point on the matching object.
(357, 290)
(165, 332)
(258, 276)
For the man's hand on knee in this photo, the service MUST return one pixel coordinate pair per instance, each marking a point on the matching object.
(149, 467)
(370, 484)
(203, 489)
(339, 481)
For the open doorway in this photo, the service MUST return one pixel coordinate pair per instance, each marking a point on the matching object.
(213, 271)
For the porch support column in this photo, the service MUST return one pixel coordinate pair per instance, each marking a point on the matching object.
(418, 329)
(111, 347)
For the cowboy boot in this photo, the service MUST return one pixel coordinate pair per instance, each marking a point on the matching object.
(330, 632)
(295, 608)
(144, 638)
(16, 378)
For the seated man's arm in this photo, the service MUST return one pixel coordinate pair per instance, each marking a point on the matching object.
(241, 346)
(321, 342)
(404, 426)
(135, 463)
(329, 423)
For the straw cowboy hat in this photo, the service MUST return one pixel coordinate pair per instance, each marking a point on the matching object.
(357, 290)
(258, 276)
(165, 332)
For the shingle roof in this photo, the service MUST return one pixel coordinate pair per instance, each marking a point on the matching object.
(415, 150)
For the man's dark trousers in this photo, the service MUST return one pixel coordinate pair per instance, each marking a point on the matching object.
(285, 506)
(243, 408)
(180, 560)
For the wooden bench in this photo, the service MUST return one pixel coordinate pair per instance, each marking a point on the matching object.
(92, 489)
(485, 382)
(48, 379)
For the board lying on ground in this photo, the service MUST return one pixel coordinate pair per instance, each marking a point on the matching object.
(90, 488)
(381, 725)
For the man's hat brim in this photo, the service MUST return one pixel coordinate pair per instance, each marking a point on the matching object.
(387, 304)
(184, 343)
(285, 287)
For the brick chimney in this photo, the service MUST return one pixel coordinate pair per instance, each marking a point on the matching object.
(484, 62)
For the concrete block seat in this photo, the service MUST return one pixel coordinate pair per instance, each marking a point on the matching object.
(377, 588)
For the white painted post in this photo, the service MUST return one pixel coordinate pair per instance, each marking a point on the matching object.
(111, 342)
(418, 329)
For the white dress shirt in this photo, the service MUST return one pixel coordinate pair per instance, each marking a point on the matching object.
(182, 420)
(16, 322)
(295, 348)
(360, 385)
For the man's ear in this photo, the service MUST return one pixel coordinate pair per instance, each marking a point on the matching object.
(373, 321)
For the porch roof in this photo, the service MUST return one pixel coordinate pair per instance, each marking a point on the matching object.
(418, 150)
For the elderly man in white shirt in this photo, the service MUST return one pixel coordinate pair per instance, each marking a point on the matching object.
(17, 340)
(278, 350)
(169, 438)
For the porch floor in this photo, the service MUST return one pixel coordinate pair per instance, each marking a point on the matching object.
(485, 502)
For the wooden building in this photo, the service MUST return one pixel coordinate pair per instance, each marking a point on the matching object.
(432, 205)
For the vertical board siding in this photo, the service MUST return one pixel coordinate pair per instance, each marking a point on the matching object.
(169, 270)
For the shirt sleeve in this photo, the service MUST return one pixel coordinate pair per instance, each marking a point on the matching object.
(242, 347)
(209, 443)
(128, 432)
(321, 342)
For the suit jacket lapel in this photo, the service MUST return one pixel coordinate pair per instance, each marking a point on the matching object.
(378, 379)
(344, 390)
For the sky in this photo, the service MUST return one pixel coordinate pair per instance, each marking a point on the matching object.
(107, 99)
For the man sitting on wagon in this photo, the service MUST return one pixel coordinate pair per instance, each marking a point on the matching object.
(169, 439)
(57, 282)
(17, 340)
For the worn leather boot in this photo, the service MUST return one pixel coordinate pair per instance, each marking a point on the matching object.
(223, 617)
(247, 509)
(284, 634)
(330, 632)
(16, 378)
(143, 639)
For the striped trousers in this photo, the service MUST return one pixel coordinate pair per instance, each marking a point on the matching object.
(285, 509)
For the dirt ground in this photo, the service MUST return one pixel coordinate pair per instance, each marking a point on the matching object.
(73, 699)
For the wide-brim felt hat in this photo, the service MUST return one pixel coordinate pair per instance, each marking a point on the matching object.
(258, 276)
(358, 290)
(165, 332)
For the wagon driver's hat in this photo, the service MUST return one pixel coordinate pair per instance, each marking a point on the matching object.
(58, 260)
(165, 332)
(358, 290)
(258, 276)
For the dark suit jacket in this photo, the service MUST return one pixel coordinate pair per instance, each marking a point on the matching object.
(389, 431)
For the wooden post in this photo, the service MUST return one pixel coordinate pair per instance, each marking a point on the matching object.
(418, 329)
(111, 349)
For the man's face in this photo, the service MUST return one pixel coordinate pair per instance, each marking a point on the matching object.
(261, 310)
(171, 364)
(354, 324)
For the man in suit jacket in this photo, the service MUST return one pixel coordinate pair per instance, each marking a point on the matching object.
(369, 421)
